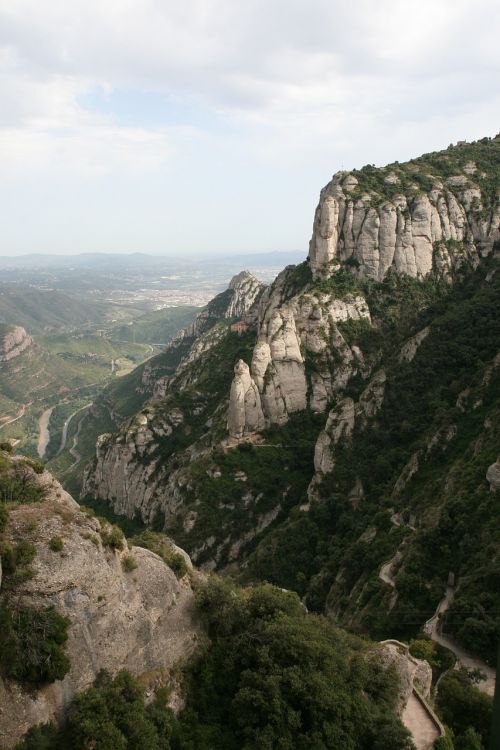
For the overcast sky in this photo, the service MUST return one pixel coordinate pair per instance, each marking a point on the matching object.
(209, 126)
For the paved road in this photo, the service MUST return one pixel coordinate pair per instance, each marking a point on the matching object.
(64, 435)
(419, 723)
(22, 412)
(431, 628)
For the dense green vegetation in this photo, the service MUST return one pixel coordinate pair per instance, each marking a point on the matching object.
(276, 678)
(110, 715)
(32, 643)
(272, 677)
(311, 549)
(466, 710)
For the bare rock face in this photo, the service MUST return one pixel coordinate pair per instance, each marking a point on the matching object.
(409, 349)
(13, 342)
(412, 672)
(292, 328)
(246, 289)
(245, 411)
(493, 476)
(339, 426)
(341, 421)
(409, 233)
(142, 620)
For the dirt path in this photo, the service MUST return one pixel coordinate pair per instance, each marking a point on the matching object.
(431, 628)
(22, 412)
(416, 719)
(73, 450)
(44, 436)
(64, 435)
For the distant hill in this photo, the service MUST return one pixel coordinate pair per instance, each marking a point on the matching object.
(45, 310)
(156, 327)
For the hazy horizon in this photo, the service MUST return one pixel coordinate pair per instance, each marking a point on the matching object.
(209, 128)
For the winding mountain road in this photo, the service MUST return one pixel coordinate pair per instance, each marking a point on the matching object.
(22, 412)
(465, 659)
(416, 719)
(64, 436)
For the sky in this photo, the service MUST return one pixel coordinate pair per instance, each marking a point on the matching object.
(208, 127)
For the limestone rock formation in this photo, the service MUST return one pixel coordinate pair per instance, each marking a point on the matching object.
(410, 232)
(245, 411)
(341, 421)
(246, 289)
(412, 672)
(142, 621)
(339, 426)
(409, 349)
(13, 341)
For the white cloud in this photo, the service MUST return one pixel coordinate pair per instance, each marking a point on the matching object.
(289, 84)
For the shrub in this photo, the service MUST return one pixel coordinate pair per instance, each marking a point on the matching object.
(4, 516)
(177, 563)
(6, 446)
(32, 644)
(443, 743)
(37, 466)
(16, 559)
(112, 537)
(162, 546)
(129, 564)
(276, 677)
(56, 544)
(463, 707)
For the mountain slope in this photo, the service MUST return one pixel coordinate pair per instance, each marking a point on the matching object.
(360, 421)
(79, 603)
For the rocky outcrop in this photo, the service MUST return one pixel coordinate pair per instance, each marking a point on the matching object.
(342, 419)
(245, 411)
(300, 358)
(412, 672)
(493, 476)
(409, 349)
(246, 289)
(411, 232)
(13, 342)
(142, 620)
(339, 426)
(237, 300)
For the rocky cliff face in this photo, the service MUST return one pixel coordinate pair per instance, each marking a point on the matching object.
(141, 620)
(413, 231)
(13, 342)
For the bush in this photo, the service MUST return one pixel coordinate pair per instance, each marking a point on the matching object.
(129, 564)
(40, 737)
(177, 563)
(443, 743)
(32, 644)
(161, 546)
(463, 707)
(15, 560)
(276, 677)
(110, 715)
(6, 446)
(56, 544)
(4, 516)
(112, 537)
